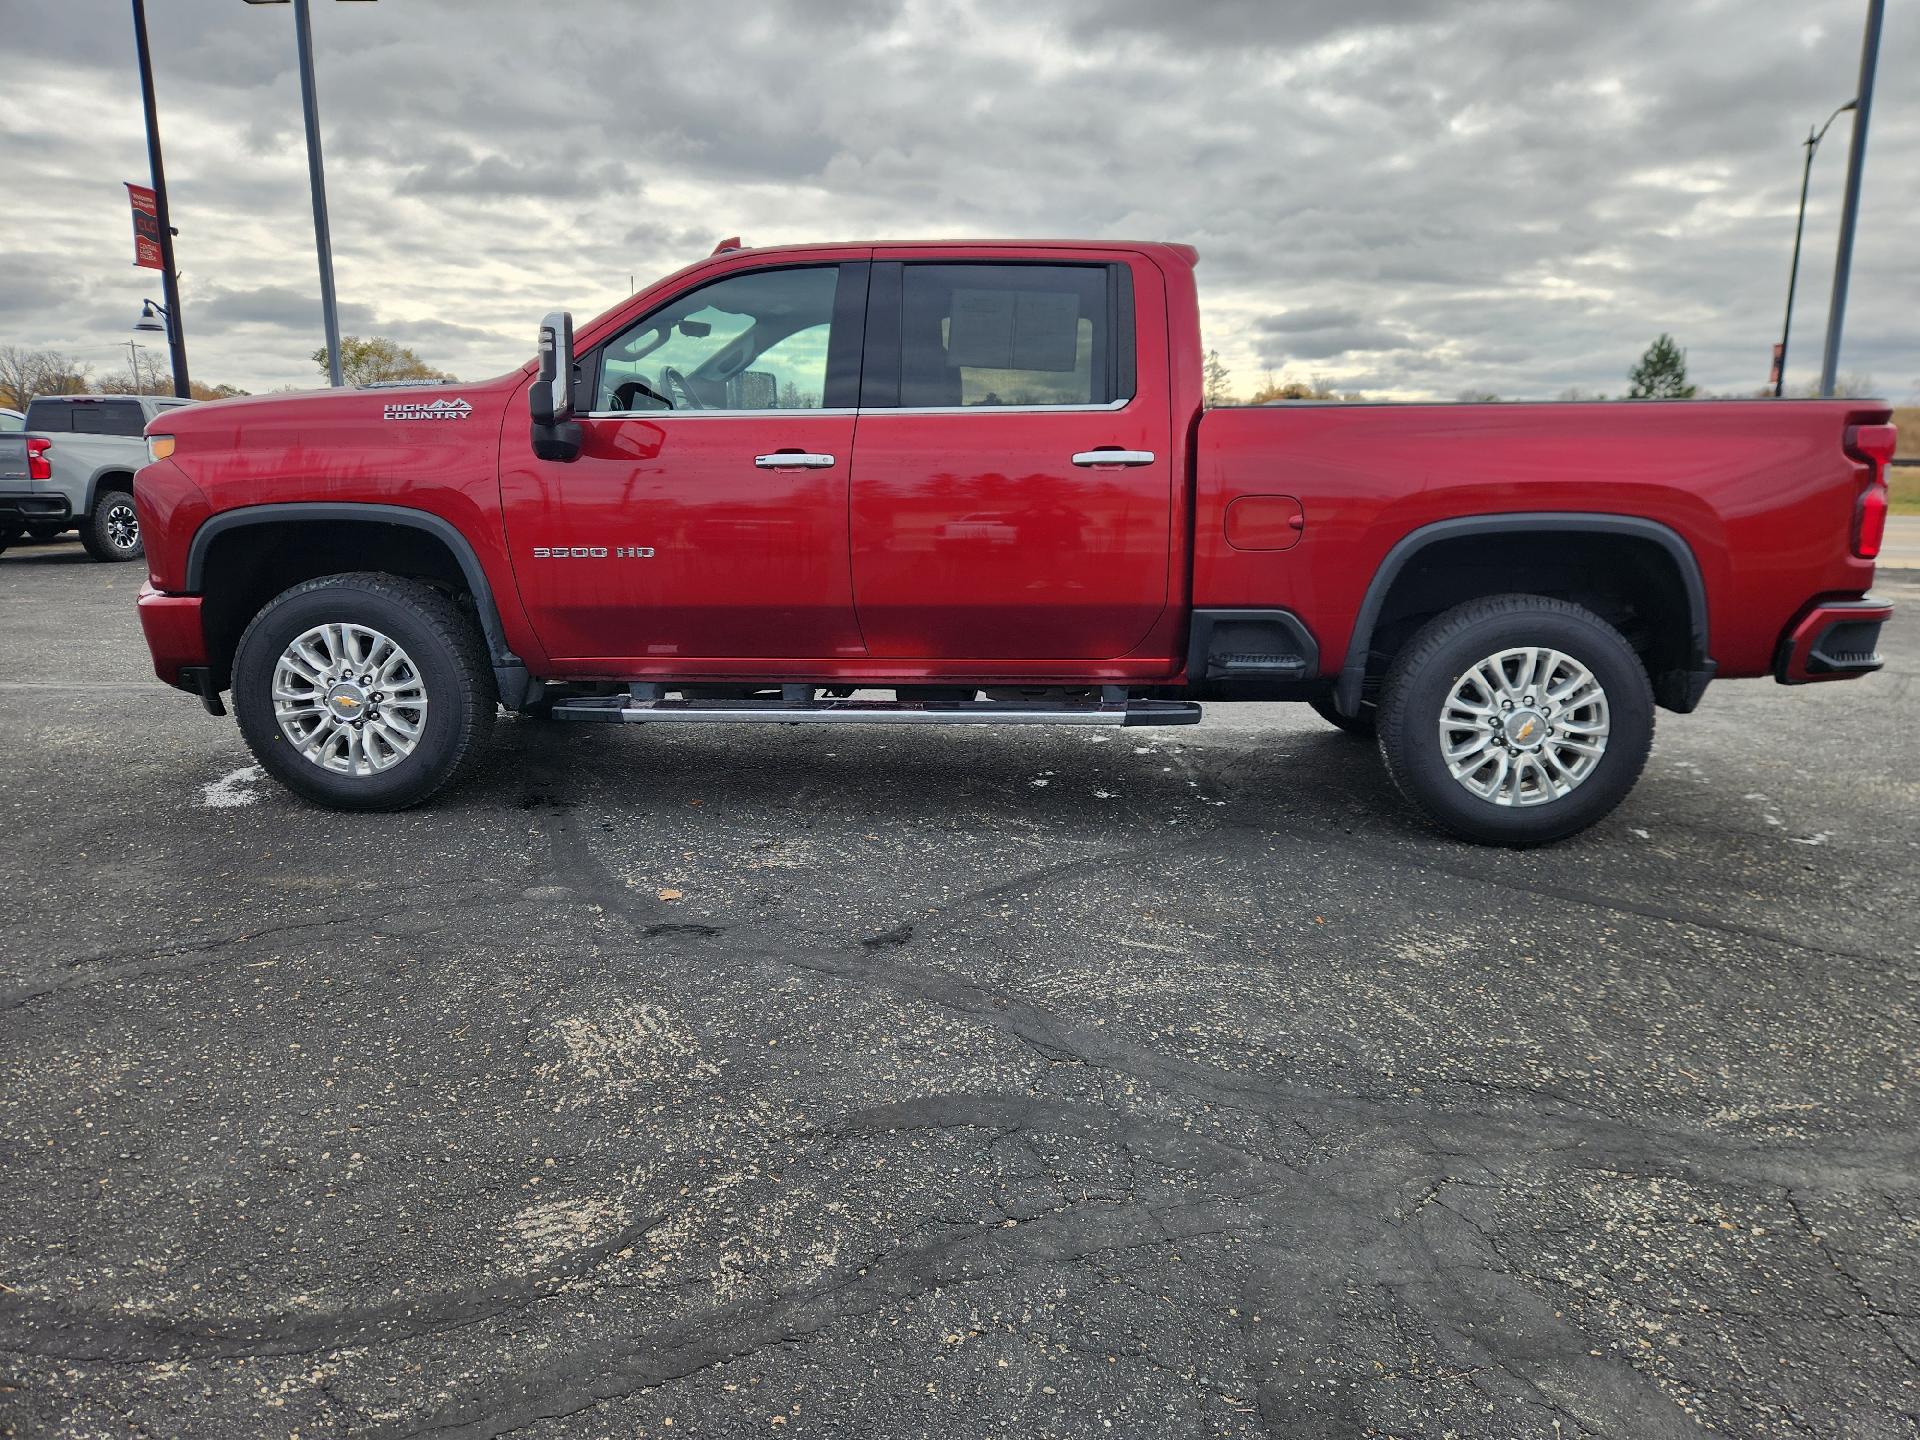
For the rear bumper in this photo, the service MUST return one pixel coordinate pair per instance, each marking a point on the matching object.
(171, 624)
(1834, 640)
(33, 506)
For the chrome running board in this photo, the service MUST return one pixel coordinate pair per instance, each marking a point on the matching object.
(641, 709)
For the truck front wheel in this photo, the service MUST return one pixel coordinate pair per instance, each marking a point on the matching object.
(363, 691)
(1516, 719)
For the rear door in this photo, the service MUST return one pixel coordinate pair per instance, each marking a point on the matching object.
(1012, 483)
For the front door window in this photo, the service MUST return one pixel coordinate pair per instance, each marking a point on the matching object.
(756, 341)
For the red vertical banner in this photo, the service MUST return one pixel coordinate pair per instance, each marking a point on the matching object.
(146, 227)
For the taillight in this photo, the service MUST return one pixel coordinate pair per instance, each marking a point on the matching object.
(38, 466)
(1872, 445)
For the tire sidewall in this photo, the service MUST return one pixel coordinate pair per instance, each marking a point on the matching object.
(99, 543)
(1422, 770)
(413, 778)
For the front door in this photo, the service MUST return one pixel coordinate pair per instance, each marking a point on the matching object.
(706, 515)
(1012, 490)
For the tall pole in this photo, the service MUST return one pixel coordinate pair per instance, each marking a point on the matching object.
(1793, 271)
(1850, 211)
(169, 274)
(1812, 142)
(303, 33)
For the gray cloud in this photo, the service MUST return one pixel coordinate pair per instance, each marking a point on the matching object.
(1407, 197)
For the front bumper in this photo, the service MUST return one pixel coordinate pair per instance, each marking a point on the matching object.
(1834, 640)
(171, 624)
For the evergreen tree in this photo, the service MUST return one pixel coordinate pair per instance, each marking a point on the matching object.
(1661, 373)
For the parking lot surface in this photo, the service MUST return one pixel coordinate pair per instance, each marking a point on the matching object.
(892, 1083)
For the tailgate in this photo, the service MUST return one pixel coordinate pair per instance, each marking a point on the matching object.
(13, 462)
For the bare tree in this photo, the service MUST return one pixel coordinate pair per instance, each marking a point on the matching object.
(26, 373)
(1218, 381)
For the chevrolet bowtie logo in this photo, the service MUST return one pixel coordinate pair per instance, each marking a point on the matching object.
(1526, 731)
(347, 702)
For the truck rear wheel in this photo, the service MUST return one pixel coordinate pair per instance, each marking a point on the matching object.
(1516, 720)
(363, 691)
(112, 531)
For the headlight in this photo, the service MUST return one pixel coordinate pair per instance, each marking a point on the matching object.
(159, 447)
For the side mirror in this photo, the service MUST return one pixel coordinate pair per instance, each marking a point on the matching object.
(550, 398)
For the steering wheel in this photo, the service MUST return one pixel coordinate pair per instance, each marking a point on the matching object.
(629, 391)
(679, 394)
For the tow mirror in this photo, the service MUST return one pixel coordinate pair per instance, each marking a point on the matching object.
(550, 398)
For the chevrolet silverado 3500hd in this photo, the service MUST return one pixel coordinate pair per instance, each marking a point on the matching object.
(979, 476)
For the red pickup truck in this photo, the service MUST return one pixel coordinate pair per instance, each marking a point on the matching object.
(976, 480)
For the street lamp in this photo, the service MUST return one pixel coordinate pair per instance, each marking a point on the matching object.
(154, 319)
(1812, 142)
(323, 240)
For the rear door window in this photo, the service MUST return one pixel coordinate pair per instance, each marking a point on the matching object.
(50, 418)
(1007, 335)
(109, 417)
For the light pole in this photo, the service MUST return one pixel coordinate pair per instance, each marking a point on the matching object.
(316, 174)
(1812, 142)
(169, 275)
(1850, 209)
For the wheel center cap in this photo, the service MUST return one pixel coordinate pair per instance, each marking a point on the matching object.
(1526, 728)
(346, 701)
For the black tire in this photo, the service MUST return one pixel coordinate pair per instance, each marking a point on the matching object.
(446, 649)
(1363, 726)
(1423, 676)
(105, 532)
(10, 534)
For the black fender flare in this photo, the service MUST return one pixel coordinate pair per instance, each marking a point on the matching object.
(93, 487)
(509, 671)
(1700, 669)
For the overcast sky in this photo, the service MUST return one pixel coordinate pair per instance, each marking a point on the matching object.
(1407, 199)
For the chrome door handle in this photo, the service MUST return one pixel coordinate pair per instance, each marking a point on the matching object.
(793, 460)
(1114, 457)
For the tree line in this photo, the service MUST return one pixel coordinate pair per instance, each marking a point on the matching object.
(26, 372)
(1660, 374)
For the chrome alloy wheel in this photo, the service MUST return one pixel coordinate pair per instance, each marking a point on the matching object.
(1524, 727)
(349, 699)
(123, 526)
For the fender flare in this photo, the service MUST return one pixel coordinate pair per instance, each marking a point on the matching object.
(93, 486)
(510, 672)
(1346, 690)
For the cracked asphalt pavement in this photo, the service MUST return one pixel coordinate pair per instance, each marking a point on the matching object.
(891, 1083)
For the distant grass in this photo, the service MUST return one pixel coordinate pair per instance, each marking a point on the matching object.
(1903, 488)
(1907, 421)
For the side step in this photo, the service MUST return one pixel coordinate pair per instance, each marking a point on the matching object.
(641, 709)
